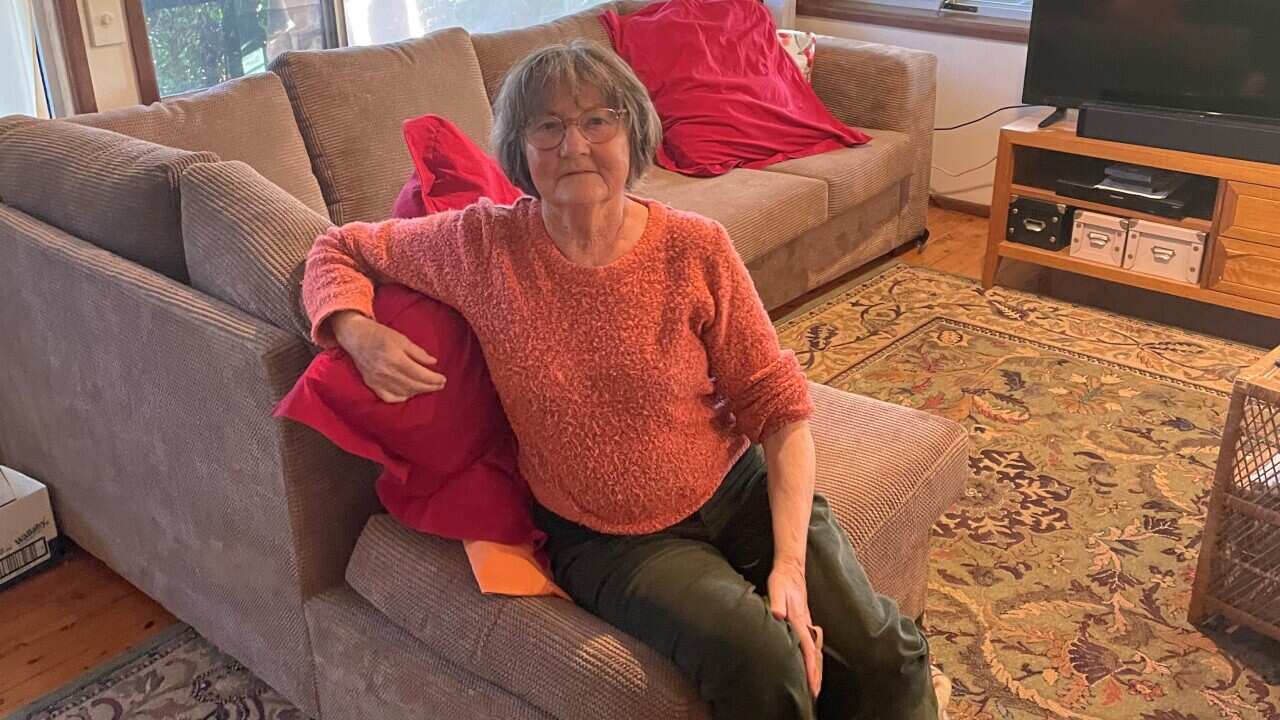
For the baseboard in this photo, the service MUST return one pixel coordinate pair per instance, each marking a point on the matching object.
(967, 207)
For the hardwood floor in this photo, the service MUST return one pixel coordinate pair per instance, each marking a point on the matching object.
(956, 244)
(62, 622)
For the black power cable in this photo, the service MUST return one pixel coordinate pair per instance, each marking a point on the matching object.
(984, 117)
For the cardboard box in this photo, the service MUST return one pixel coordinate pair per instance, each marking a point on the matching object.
(28, 536)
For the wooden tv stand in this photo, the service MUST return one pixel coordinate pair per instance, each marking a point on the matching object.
(1241, 213)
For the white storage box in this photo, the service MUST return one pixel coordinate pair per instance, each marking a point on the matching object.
(1099, 237)
(1165, 251)
(28, 537)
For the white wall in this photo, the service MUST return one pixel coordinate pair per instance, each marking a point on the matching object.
(975, 76)
(115, 82)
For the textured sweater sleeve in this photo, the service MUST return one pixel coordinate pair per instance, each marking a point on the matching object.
(762, 384)
(433, 255)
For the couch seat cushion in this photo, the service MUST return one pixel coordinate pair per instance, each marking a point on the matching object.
(888, 472)
(247, 119)
(117, 192)
(857, 174)
(761, 210)
(545, 650)
(350, 104)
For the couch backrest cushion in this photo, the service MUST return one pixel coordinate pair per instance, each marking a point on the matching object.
(247, 241)
(247, 119)
(350, 103)
(500, 50)
(117, 192)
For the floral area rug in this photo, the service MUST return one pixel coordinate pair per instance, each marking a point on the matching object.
(1060, 581)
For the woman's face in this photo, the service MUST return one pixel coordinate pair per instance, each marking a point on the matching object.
(579, 172)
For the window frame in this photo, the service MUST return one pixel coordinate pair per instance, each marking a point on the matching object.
(916, 15)
(65, 59)
(145, 66)
(140, 46)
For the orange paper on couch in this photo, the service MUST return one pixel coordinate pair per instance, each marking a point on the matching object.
(509, 570)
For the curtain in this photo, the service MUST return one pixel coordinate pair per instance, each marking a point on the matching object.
(22, 90)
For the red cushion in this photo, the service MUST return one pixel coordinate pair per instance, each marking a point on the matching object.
(448, 457)
(725, 89)
(450, 171)
(409, 203)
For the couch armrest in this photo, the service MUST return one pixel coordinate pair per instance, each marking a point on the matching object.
(889, 472)
(889, 88)
(876, 86)
(146, 407)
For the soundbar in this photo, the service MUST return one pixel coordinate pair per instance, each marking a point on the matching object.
(1204, 133)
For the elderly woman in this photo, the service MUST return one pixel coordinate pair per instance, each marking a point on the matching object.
(615, 329)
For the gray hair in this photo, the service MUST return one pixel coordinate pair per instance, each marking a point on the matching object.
(526, 92)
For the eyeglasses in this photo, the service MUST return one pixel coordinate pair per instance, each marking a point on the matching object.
(597, 126)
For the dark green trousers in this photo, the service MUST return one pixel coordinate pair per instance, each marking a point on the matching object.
(695, 593)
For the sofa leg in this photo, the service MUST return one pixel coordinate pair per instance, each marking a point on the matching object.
(920, 240)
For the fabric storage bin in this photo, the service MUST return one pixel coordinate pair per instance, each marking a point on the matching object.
(1099, 237)
(1038, 223)
(1165, 251)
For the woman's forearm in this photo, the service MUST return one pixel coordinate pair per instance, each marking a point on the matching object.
(789, 458)
(337, 280)
(343, 322)
(428, 255)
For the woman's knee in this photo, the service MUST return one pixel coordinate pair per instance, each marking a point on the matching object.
(899, 647)
(764, 677)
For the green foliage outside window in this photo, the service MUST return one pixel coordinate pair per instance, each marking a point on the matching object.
(199, 43)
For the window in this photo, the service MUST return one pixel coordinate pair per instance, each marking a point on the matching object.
(198, 43)
(378, 21)
(995, 19)
(22, 90)
(1011, 9)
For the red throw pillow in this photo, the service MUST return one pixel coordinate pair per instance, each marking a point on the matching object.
(450, 171)
(727, 93)
(409, 203)
(448, 457)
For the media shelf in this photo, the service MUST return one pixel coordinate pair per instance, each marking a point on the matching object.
(1236, 203)
(1191, 223)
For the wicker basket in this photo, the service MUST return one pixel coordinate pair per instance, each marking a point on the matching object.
(1239, 572)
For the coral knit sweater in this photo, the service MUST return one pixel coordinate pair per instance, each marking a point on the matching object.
(612, 377)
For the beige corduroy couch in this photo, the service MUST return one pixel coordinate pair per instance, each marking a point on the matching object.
(149, 264)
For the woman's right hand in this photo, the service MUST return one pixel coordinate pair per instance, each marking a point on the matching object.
(392, 365)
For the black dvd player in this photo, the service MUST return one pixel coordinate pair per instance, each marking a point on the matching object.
(1177, 205)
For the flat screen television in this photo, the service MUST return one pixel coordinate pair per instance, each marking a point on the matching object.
(1205, 56)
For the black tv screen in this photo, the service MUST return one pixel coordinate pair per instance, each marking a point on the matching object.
(1215, 56)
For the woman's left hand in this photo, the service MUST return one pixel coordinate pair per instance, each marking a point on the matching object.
(789, 600)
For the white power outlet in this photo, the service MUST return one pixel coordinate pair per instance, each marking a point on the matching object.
(106, 22)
